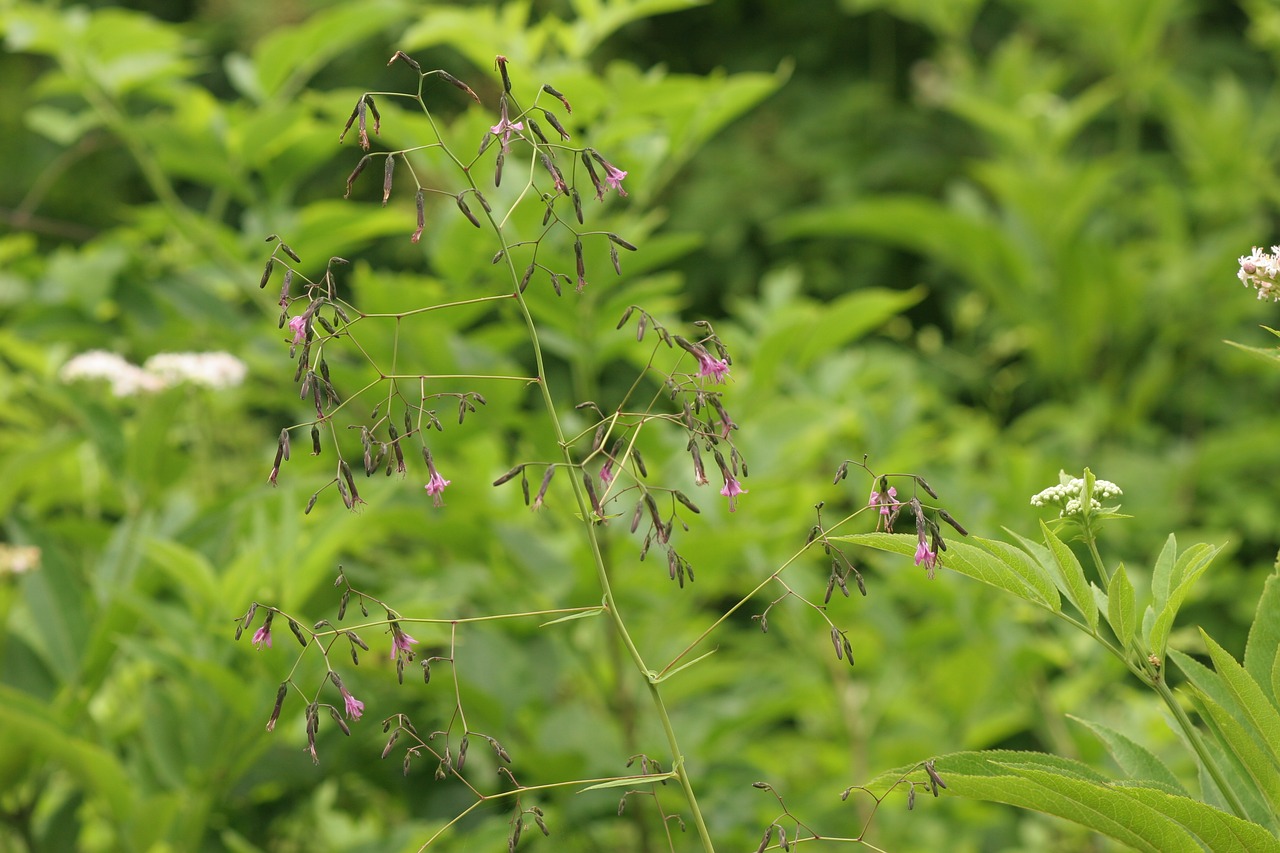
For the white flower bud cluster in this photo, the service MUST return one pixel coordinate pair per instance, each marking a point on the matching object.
(1067, 495)
(163, 370)
(1260, 270)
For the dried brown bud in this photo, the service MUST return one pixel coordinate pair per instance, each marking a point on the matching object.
(582, 266)
(501, 62)
(407, 60)
(454, 81)
(266, 272)
(546, 87)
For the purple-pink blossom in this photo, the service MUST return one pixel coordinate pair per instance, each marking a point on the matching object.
(298, 325)
(355, 708)
(732, 488)
(262, 637)
(714, 368)
(435, 487)
(400, 642)
(606, 472)
(504, 129)
(925, 557)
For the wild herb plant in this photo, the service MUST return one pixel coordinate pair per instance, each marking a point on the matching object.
(1236, 745)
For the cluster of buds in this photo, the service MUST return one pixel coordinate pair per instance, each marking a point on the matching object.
(514, 124)
(1259, 270)
(1068, 496)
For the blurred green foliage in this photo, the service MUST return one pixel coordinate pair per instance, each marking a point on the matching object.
(978, 241)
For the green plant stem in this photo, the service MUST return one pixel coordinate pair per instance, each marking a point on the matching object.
(602, 576)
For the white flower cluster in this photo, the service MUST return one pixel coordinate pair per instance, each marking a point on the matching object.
(1067, 495)
(163, 370)
(1260, 270)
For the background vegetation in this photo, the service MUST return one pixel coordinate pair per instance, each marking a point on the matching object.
(981, 241)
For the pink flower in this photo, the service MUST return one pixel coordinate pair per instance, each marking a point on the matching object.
(400, 642)
(298, 325)
(926, 557)
(606, 472)
(887, 502)
(355, 708)
(715, 368)
(504, 129)
(435, 487)
(732, 488)
(612, 177)
(262, 637)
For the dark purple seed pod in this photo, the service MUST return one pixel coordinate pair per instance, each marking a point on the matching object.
(835, 641)
(388, 171)
(591, 173)
(337, 718)
(577, 204)
(466, 211)
(315, 440)
(484, 202)
(639, 460)
(925, 486)
(346, 497)
(501, 62)
(547, 214)
(373, 108)
(497, 170)
(386, 750)
(266, 272)
(546, 481)
(582, 266)
(311, 504)
(275, 711)
(626, 315)
(354, 112)
(911, 798)
(537, 131)
(555, 122)
(946, 516)
(419, 203)
(831, 588)
(614, 238)
(502, 253)
(684, 499)
(528, 274)
(555, 283)
(297, 632)
(284, 247)
(510, 475)
(462, 753)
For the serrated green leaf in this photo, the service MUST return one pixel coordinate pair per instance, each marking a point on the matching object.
(1146, 818)
(1074, 585)
(1122, 608)
(1137, 762)
(961, 558)
(1033, 572)
(1239, 740)
(1186, 571)
(1161, 573)
(1261, 651)
(1261, 714)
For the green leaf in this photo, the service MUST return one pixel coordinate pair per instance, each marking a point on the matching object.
(1263, 716)
(961, 558)
(1135, 760)
(1122, 608)
(1185, 572)
(1031, 570)
(1143, 817)
(1071, 573)
(1261, 651)
(22, 720)
(1239, 740)
(1162, 572)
